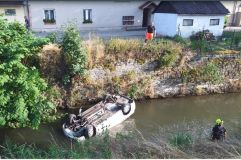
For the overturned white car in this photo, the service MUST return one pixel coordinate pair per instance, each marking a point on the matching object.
(111, 111)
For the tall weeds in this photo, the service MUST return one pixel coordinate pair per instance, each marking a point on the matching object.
(95, 51)
(183, 140)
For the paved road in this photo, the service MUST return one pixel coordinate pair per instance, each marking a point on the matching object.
(103, 34)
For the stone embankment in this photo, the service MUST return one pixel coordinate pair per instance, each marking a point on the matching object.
(167, 83)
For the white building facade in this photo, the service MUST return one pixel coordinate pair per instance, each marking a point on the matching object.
(13, 10)
(89, 15)
(184, 20)
(174, 24)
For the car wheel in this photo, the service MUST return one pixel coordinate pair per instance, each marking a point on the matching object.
(90, 131)
(126, 109)
(72, 117)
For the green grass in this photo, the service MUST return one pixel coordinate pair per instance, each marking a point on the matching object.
(181, 140)
(94, 148)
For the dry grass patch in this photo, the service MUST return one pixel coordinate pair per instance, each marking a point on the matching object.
(50, 62)
(95, 51)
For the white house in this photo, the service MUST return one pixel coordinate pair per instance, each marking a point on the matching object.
(48, 15)
(12, 10)
(187, 17)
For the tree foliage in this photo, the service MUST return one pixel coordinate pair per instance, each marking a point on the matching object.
(22, 100)
(74, 51)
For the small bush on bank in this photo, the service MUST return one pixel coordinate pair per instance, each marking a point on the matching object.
(200, 41)
(179, 39)
(74, 51)
(181, 140)
(132, 92)
(200, 45)
(169, 57)
(210, 72)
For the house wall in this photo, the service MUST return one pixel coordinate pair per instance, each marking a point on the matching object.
(105, 14)
(19, 13)
(199, 23)
(165, 24)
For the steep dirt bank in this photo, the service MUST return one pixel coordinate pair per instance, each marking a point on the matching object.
(140, 78)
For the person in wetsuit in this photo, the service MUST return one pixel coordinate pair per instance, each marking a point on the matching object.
(218, 131)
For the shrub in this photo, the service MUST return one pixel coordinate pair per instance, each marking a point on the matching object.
(74, 51)
(200, 41)
(22, 90)
(200, 45)
(132, 92)
(130, 75)
(207, 73)
(181, 140)
(169, 57)
(237, 40)
(179, 39)
(211, 73)
(52, 37)
(203, 35)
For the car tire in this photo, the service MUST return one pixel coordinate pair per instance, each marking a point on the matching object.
(126, 108)
(72, 117)
(90, 131)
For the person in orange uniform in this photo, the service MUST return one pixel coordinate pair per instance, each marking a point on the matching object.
(150, 33)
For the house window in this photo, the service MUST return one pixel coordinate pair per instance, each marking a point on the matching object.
(87, 15)
(49, 16)
(214, 22)
(128, 20)
(187, 22)
(10, 12)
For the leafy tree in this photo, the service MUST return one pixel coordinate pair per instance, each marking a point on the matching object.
(74, 51)
(22, 99)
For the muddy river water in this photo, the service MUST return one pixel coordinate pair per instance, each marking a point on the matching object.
(149, 116)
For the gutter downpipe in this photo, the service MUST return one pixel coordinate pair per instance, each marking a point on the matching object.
(27, 10)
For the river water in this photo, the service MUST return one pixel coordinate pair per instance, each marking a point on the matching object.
(150, 116)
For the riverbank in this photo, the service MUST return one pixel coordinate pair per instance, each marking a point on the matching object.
(178, 141)
(188, 75)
